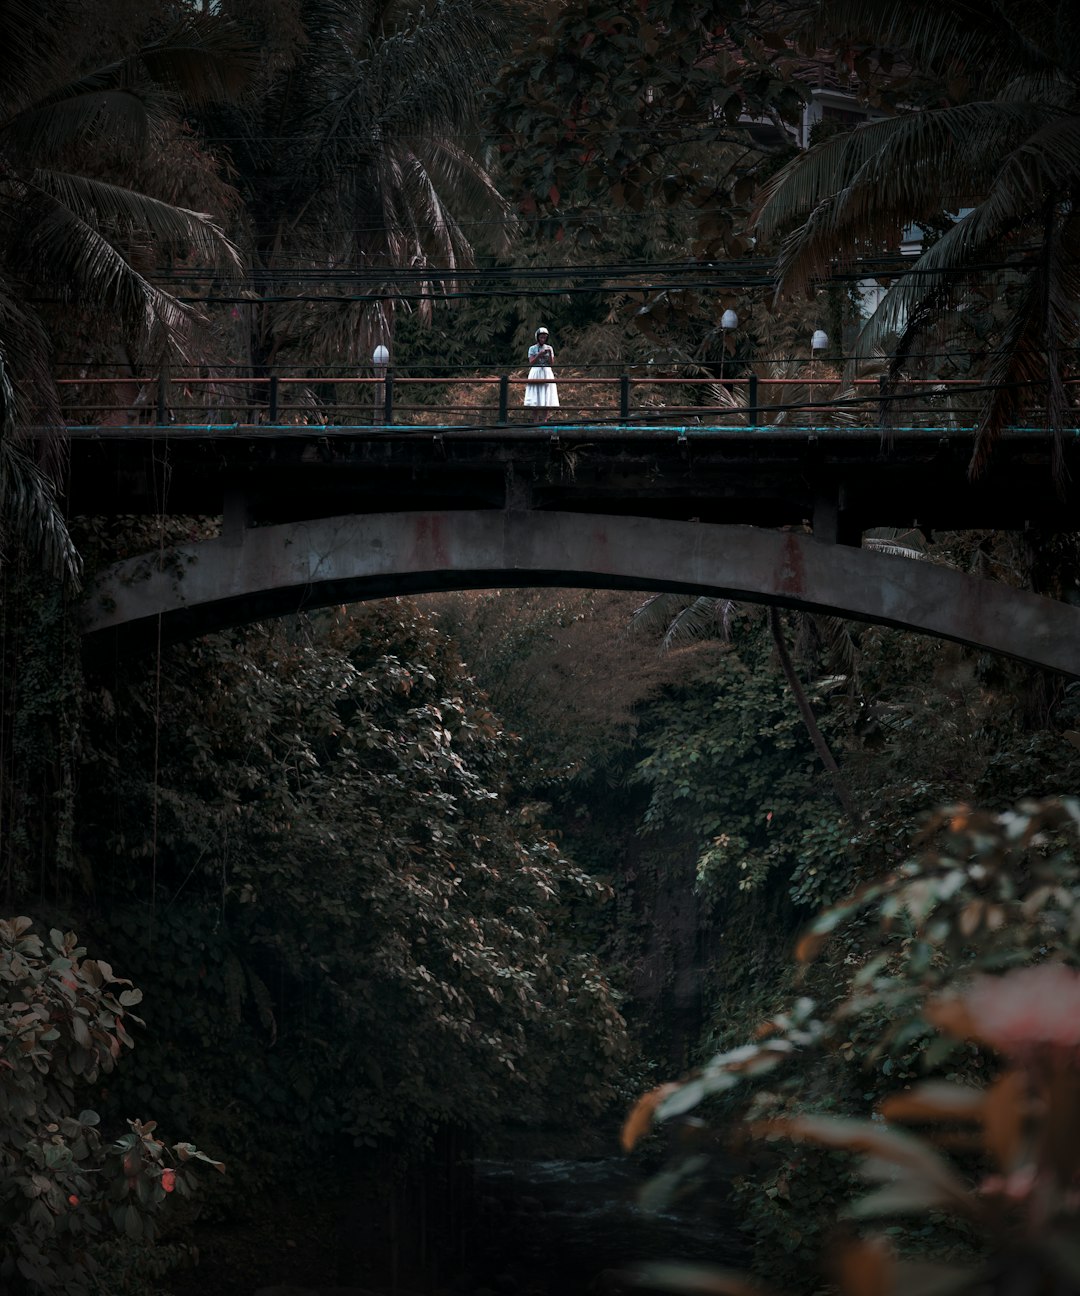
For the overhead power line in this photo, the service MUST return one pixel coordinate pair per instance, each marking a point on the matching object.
(884, 266)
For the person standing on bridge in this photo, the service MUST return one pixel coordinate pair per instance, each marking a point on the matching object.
(541, 391)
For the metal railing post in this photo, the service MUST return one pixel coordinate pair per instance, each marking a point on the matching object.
(388, 409)
(272, 404)
(752, 401)
(162, 402)
(504, 399)
(624, 397)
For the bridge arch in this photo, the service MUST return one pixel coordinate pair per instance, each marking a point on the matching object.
(269, 571)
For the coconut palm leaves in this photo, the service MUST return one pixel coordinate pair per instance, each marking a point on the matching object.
(368, 155)
(70, 232)
(29, 515)
(998, 168)
(810, 391)
(77, 241)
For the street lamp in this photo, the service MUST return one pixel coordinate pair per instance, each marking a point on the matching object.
(818, 342)
(380, 358)
(728, 320)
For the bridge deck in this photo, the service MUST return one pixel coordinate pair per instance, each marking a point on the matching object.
(772, 452)
(842, 480)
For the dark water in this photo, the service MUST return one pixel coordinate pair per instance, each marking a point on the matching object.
(562, 1227)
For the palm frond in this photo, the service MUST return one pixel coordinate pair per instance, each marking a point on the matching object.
(654, 616)
(986, 41)
(49, 130)
(930, 278)
(124, 211)
(27, 351)
(204, 59)
(705, 618)
(31, 34)
(1028, 362)
(31, 516)
(67, 253)
(898, 543)
(857, 192)
(677, 619)
(842, 653)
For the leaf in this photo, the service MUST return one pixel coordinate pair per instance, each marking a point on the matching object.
(935, 1100)
(1005, 1111)
(189, 1152)
(640, 1120)
(685, 1098)
(133, 1226)
(829, 919)
(890, 1145)
(865, 1267)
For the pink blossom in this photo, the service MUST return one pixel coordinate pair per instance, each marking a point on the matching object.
(1012, 1013)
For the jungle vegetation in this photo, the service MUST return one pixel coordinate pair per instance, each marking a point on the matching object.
(370, 877)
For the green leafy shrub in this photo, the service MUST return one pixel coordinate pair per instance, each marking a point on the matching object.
(65, 1194)
(363, 931)
(956, 964)
(730, 763)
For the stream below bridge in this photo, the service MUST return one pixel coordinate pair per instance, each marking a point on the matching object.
(521, 1226)
(564, 1227)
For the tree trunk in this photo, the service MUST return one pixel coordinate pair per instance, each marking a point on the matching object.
(839, 783)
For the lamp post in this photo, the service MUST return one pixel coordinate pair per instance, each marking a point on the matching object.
(728, 321)
(818, 342)
(380, 358)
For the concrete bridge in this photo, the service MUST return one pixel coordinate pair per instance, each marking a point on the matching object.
(768, 502)
(266, 571)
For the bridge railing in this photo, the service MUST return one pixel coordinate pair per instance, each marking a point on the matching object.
(276, 401)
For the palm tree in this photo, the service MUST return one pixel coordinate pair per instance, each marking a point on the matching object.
(29, 514)
(366, 157)
(990, 159)
(76, 242)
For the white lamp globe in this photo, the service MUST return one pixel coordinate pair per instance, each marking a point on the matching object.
(729, 320)
(380, 357)
(819, 341)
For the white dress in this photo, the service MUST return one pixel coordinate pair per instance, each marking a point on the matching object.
(540, 389)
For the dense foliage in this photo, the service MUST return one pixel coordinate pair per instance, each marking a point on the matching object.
(731, 762)
(950, 994)
(354, 898)
(365, 884)
(67, 1197)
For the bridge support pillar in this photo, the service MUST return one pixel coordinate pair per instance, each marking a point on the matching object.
(826, 519)
(832, 523)
(518, 498)
(236, 516)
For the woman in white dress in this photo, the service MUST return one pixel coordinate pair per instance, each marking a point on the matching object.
(540, 389)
